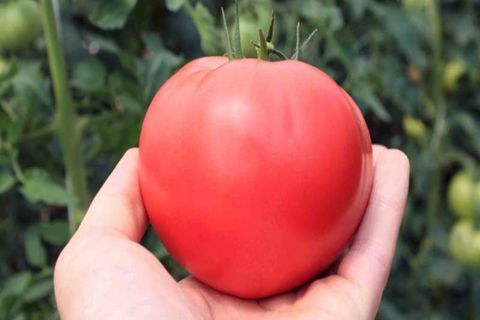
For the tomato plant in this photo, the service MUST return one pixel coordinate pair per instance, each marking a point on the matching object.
(19, 23)
(254, 174)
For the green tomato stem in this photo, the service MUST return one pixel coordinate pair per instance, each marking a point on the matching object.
(271, 28)
(238, 42)
(227, 34)
(263, 50)
(65, 120)
(297, 43)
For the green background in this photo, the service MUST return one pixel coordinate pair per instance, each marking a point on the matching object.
(413, 66)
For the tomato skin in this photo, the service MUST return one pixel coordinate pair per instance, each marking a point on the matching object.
(461, 195)
(254, 174)
(20, 23)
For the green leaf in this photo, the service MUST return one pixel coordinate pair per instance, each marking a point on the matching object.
(16, 284)
(56, 232)
(174, 5)
(126, 101)
(39, 187)
(398, 24)
(364, 95)
(110, 14)
(152, 242)
(34, 250)
(358, 7)
(89, 76)
(7, 180)
(30, 85)
(328, 17)
(103, 43)
(443, 271)
(157, 67)
(205, 23)
(39, 290)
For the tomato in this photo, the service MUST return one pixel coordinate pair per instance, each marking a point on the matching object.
(465, 244)
(452, 74)
(414, 128)
(461, 195)
(20, 23)
(254, 174)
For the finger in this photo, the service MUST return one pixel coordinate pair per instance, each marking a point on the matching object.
(377, 151)
(118, 206)
(369, 259)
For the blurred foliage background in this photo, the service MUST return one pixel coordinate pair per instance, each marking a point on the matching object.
(74, 89)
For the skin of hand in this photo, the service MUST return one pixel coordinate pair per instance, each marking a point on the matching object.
(104, 273)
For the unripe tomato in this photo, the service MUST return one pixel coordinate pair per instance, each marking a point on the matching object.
(254, 174)
(20, 23)
(414, 128)
(461, 195)
(465, 244)
(453, 71)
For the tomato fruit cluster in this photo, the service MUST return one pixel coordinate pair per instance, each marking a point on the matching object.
(20, 23)
(254, 174)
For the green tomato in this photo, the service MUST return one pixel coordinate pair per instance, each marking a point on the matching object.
(461, 195)
(414, 128)
(20, 23)
(452, 73)
(464, 244)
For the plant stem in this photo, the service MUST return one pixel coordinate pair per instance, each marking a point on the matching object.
(440, 117)
(438, 132)
(230, 52)
(238, 42)
(65, 119)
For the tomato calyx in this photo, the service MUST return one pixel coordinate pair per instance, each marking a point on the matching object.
(266, 46)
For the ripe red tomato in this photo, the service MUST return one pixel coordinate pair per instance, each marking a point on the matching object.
(254, 174)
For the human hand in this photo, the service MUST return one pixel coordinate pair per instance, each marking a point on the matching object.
(104, 273)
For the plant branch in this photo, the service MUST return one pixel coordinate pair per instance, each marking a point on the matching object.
(65, 119)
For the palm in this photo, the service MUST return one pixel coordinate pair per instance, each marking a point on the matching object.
(104, 273)
(332, 297)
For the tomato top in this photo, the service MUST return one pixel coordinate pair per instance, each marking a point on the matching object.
(254, 174)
